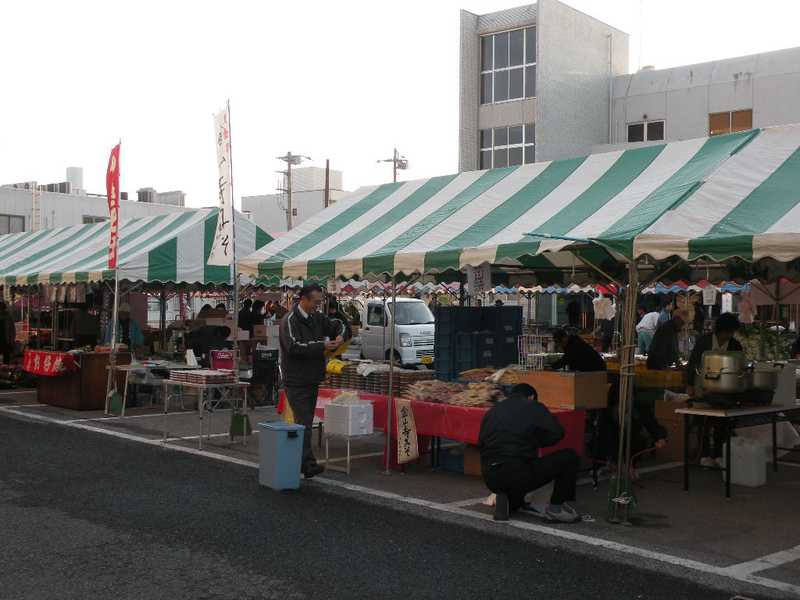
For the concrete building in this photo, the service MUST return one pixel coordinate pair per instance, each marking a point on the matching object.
(535, 84)
(706, 99)
(529, 92)
(60, 205)
(268, 211)
(148, 194)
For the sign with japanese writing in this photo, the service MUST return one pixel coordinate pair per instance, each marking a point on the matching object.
(709, 295)
(112, 192)
(222, 248)
(727, 302)
(407, 447)
(479, 279)
(48, 364)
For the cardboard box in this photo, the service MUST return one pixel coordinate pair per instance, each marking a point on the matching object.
(665, 415)
(472, 461)
(563, 389)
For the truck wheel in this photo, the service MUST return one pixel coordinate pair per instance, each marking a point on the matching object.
(397, 359)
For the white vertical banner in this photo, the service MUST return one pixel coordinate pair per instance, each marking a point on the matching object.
(222, 248)
(479, 279)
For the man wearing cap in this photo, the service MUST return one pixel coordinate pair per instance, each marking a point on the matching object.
(128, 331)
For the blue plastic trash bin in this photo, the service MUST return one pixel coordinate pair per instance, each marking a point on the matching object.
(280, 453)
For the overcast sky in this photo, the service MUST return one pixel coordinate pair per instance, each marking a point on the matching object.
(343, 80)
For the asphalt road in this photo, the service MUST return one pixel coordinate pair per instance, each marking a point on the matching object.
(88, 516)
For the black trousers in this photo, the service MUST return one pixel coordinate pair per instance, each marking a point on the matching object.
(303, 401)
(515, 478)
(606, 333)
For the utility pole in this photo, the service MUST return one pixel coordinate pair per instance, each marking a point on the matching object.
(398, 162)
(290, 159)
(327, 196)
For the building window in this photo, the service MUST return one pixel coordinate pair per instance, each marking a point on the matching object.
(651, 131)
(508, 65)
(729, 122)
(93, 219)
(11, 224)
(507, 146)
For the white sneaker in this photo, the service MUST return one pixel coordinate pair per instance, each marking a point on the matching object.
(567, 514)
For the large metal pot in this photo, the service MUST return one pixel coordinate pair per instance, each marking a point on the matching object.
(765, 376)
(724, 372)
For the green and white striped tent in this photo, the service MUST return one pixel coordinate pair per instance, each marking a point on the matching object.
(724, 196)
(163, 248)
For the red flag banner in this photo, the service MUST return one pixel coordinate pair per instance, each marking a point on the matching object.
(112, 191)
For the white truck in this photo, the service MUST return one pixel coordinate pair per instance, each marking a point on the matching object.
(411, 323)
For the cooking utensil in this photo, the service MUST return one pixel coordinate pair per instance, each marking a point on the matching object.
(765, 376)
(724, 372)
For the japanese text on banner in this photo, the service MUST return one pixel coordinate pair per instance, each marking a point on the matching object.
(222, 248)
(112, 192)
(479, 279)
(407, 447)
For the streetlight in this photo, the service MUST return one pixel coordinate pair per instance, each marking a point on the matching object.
(290, 159)
(398, 162)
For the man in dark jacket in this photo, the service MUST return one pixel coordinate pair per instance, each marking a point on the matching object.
(335, 313)
(665, 348)
(511, 434)
(578, 355)
(305, 335)
(725, 327)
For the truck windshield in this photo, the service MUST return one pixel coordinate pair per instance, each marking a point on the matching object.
(412, 313)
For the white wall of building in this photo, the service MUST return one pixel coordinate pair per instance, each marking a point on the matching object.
(573, 80)
(571, 107)
(685, 96)
(62, 210)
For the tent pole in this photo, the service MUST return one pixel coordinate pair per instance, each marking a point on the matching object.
(619, 509)
(390, 404)
(113, 357)
(162, 317)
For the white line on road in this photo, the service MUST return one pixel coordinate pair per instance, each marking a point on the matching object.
(762, 563)
(743, 572)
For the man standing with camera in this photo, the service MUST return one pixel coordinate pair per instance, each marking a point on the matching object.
(305, 335)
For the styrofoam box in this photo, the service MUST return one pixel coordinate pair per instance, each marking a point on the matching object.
(748, 462)
(349, 419)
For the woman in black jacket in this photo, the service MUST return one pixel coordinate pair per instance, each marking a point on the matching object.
(725, 327)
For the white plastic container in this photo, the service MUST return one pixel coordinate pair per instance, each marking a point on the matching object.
(749, 460)
(348, 419)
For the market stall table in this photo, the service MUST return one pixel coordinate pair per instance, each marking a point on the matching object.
(149, 369)
(205, 392)
(458, 423)
(736, 418)
(71, 380)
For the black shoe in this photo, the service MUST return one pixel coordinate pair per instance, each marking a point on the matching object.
(312, 469)
(501, 508)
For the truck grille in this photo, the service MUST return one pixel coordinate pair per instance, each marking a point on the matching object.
(423, 341)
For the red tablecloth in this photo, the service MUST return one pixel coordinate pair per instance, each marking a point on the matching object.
(457, 423)
(49, 364)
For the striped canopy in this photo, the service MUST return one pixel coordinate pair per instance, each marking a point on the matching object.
(164, 248)
(717, 197)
